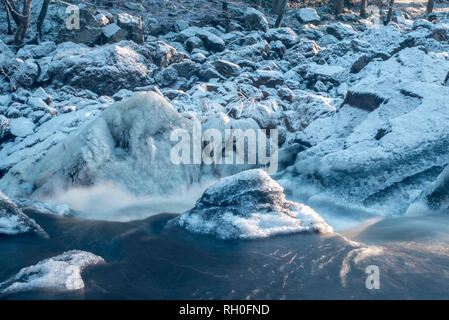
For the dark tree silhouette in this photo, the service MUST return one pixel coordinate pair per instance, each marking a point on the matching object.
(22, 20)
(338, 6)
(430, 4)
(41, 18)
(282, 8)
(363, 8)
(390, 12)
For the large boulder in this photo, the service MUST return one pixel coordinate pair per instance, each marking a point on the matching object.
(388, 141)
(13, 221)
(104, 70)
(131, 137)
(62, 272)
(249, 205)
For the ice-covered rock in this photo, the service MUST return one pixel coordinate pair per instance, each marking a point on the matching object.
(13, 221)
(62, 272)
(249, 205)
(128, 144)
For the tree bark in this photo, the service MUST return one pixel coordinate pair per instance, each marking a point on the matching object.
(42, 15)
(8, 19)
(390, 12)
(281, 13)
(430, 4)
(363, 8)
(24, 23)
(14, 11)
(339, 5)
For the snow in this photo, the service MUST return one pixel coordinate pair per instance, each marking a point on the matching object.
(21, 127)
(62, 272)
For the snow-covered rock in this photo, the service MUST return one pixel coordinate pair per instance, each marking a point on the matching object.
(13, 221)
(307, 15)
(21, 127)
(104, 69)
(394, 144)
(62, 272)
(249, 205)
(255, 20)
(286, 35)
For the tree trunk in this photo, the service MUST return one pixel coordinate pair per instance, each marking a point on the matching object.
(281, 13)
(24, 23)
(8, 19)
(42, 15)
(339, 5)
(390, 12)
(430, 4)
(363, 8)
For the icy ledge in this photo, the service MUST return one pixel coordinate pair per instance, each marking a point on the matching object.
(249, 205)
(62, 272)
(13, 221)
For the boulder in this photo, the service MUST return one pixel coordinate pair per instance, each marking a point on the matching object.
(62, 272)
(383, 153)
(104, 70)
(13, 221)
(341, 31)
(268, 78)
(132, 25)
(227, 69)
(88, 33)
(24, 73)
(113, 33)
(255, 20)
(308, 15)
(286, 35)
(249, 205)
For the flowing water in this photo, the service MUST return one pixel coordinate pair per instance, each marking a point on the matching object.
(147, 260)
